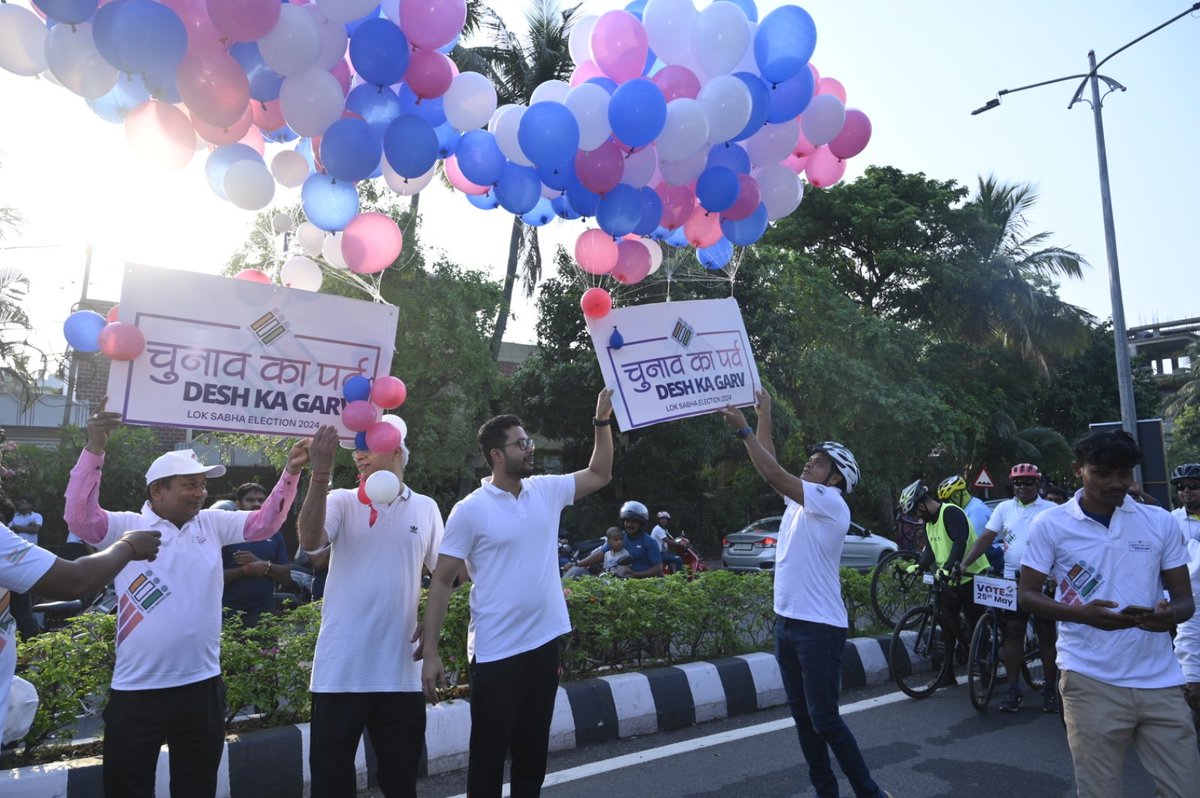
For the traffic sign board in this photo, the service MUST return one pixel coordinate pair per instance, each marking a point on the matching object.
(983, 480)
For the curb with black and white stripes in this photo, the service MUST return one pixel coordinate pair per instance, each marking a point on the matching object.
(274, 762)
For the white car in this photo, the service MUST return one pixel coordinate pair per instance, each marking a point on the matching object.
(753, 548)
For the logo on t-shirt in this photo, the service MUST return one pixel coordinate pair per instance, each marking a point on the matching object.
(414, 529)
(6, 619)
(18, 554)
(1140, 546)
(144, 593)
(1080, 582)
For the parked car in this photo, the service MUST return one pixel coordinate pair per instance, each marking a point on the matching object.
(753, 548)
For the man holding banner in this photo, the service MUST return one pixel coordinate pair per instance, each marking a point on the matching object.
(167, 681)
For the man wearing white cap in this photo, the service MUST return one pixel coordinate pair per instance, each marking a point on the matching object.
(365, 674)
(167, 682)
(662, 534)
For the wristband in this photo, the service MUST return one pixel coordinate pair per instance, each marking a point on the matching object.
(745, 432)
(596, 422)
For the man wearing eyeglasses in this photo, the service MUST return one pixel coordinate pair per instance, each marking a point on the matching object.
(506, 535)
(1186, 479)
(1009, 527)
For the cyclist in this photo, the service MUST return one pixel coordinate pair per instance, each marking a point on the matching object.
(954, 489)
(949, 536)
(1186, 479)
(1009, 526)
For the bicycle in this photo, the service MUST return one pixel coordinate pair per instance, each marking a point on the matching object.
(924, 636)
(985, 659)
(893, 588)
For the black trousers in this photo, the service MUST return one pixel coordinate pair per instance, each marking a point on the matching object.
(20, 606)
(396, 725)
(512, 703)
(190, 719)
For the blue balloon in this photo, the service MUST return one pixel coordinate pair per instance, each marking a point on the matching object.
(660, 233)
(356, 388)
(558, 177)
(479, 157)
(446, 48)
(518, 188)
(82, 330)
(651, 59)
(637, 112)
(748, 7)
(745, 232)
(126, 94)
(149, 36)
(608, 84)
(280, 136)
(484, 202)
(784, 42)
(431, 110)
(616, 340)
(562, 207)
(102, 34)
(790, 98)
(716, 256)
(71, 12)
(350, 150)
(360, 441)
(584, 201)
(620, 210)
(447, 136)
(542, 213)
(328, 203)
(636, 7)
(760, 104)
(378, 105)
(305, 147)
(163, 87)
(410, 146)
(219, 161)
(379, 52)
(717, 189)
(652, 210)
(731, 156)
(548, 134)
(264, 81)
(678, 238)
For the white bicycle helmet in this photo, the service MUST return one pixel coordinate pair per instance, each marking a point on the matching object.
(843, 461)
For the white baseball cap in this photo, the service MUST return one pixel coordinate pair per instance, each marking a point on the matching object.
(181, 462)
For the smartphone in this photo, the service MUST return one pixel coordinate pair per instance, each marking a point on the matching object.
(1137, 609)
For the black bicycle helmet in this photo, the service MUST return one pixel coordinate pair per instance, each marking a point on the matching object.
(1185, 471)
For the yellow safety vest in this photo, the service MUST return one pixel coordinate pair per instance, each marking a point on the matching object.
(940, 542)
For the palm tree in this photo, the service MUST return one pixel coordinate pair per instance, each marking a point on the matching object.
(516, 68)
(1188, 394)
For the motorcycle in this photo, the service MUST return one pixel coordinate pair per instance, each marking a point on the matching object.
(692, 562)
(55, 614)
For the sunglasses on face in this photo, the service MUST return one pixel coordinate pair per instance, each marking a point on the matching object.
(1024, 482)
(524, 444)
(1188, 486)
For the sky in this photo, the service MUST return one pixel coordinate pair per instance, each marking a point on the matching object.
(916, 68)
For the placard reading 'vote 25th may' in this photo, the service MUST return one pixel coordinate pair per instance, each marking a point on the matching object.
(677, 360)
(232, 355)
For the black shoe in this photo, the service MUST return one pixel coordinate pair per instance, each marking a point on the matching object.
(1012, 702)
(1050, 703)
(949, 680)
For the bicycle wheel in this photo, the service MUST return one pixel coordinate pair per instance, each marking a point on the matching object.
(983, 662)
(918, 655)
(1031, 662)
(894, 590)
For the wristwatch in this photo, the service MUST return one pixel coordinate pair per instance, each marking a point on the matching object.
(745, 432)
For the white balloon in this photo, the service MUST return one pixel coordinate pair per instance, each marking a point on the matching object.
(685, 131)
(405, 186)
(312, 238)
(346, 10)
(588, 103)
(508, 122)
(550, 91)
(823, 119)
(581, 36)
(391, 10)
(22, 41)
(311, 101)
(382, 487)
(720, 37)
(503, 109)
(290, 168)
(249, 185)
(294, 44)
(397, 422)
(72, 56)
(640, 167)
(748, 64)
(331, 250)
(470, 101)
(727, 106)
(300, 273)
(333, 38)
(282, 223)
(773, 143)
(781, 190)
(682, 172)
(668, 25)
(656, 254)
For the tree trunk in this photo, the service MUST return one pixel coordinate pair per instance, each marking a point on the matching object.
(510, 279)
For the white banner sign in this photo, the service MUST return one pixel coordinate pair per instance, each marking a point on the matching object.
(232, 355)
(993, 592)
(677, 360)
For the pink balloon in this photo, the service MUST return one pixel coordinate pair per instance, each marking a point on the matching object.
(252, 276)
(600, 169)
(824, 169)
(429, 73)
(267, 115)
(618, 45)
(341, 70)
(162, 133)
(430, 24)
(225, 135)
(121, 341)
(243, 20)
(371, 242)
(703, 229)
(815, 73)
(254, 140)
(455, 176)
(748, 198)
(214, 87)
(595, 303)
(853, 138)
(678, 203)
(832, 86)
(596, 252)
(201, 33)
(795, 162)
(633, 262)
(803, 147)
(388, 392)
(112, 313)
(585, 72)
(360, 415)
(382, 437)
(676, 81)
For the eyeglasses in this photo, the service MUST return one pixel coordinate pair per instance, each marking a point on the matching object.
(1025, 482)
(524, 444)
(1188, 486)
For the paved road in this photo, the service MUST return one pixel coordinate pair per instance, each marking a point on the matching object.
(936, 747)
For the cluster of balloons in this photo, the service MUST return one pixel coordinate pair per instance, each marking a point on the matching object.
(366, 398)
(88, 331)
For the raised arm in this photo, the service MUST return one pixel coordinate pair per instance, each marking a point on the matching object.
(312, 513)
(82, 512)
(761, 458)
(599, 470)
(266, 520)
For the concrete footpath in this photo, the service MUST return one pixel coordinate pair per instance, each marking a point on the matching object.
(273, 763)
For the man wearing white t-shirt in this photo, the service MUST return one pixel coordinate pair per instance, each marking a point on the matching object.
(167, 681)
(1111, 557)
(811, 622)
(28, 525)
(662, 534)
(1186, 479)
(365, 673)
(506, 534)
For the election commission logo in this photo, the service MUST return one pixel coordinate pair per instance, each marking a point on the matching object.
(143, 594)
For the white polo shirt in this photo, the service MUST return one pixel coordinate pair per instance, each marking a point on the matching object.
(808, 557)
(371, 596)
(1122, 563)
(510, 545)
(21, 565)
(23, 519)
(1010, 521)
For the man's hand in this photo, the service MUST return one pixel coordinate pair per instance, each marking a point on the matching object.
(145, 543)
(322, 448)
(1099, 614)
(432, 676)
(1191, 692)
(298, 457)
(604, 404)
(100, 426)
(250, 563)
(762, 405)
(1161, 620)
(418, 638)
(733, 417)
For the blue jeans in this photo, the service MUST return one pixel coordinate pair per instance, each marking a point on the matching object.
(810, 661)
